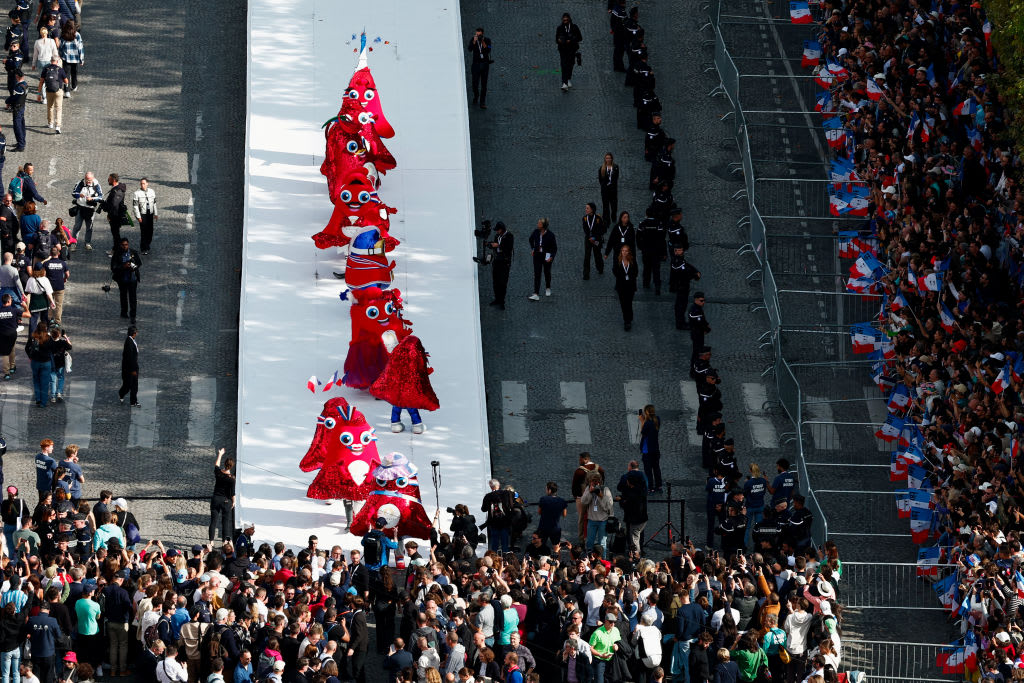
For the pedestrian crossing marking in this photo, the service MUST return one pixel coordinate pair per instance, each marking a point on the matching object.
(513, 412)
(577, 424)
(638, 394)
(688, 388)
(762, 431)
(17, 396)
(79, 396)
(200, 411)
(824, 436)
(142, 431)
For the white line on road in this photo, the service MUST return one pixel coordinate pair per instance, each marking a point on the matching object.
(194, 175)
(688, 389)
(200, 411)
(143, 429)
(179, 309)
(638, 394)
(199, 126)
(79, 397)
(513, 412)
(762, 431)
(53, 166)
(877, 412)
(825, 437)
(577, 425)
(190, 215)
(17, 397)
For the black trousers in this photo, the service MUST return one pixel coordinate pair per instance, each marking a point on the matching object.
(44, 668)
(480, 71)
(595, 249)
(652, 270)
(618, 51)
(626, 304)
(385, 619)
(129, 298)
(567, 60)
(220, 518)
(610, 205)
(697, 341)
(541, 265)
(115, 231)
(130, 387)
(146, 228)
(682, 300)
(72, 70)
(499, 275)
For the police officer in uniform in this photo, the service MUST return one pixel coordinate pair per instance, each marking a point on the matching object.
(680, 273)
(16, 105)
(717, 489)
(677, 236)
(655, 138)
(650, 238)
(504, 248)
(620, 37)
(798, 527)
(709, 396)
(711, 430)
(698, 326)
(12, 63)
(3, 158)
(732, 528)
(480, 47)
(663, 170)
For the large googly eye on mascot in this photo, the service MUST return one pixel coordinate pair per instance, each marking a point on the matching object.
(363, 90)
(377, 328)
(395, 498)
(344, 449)
(357, 208)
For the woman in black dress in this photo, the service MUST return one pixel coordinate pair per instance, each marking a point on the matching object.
(625, 271)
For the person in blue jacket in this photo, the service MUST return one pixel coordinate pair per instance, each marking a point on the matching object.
(43, 632)
(45, 467)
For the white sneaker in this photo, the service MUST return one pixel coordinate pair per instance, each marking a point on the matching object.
(417, 428)
(50, 126)
(565, 87)
(88, 247)
(533, 297)
(570, 84)
(67, 95)
(397, 427)
(547, 292)
(58, 130)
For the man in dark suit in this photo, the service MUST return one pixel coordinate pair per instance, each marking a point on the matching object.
(113, 205)
(480, 46)
(125, 267)
(504, 248)
(608, 180)
(398, 658)
(358, 642)
(130, 369)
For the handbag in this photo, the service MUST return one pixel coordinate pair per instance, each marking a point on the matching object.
(67, 361)
(73, 211)
(38, 302)
(131, 533)
(784, 654)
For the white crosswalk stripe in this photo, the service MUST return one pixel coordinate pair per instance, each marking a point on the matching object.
(638, 394)
(200, 411)
(79, 396)
(688, 388)
(143, 430)
(824, 436)
(513, 412)
(762, 431)
(17, 398)
(577, 424)
(878, 412)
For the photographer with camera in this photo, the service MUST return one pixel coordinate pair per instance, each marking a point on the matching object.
(504, 248)
(463, 527)
(597, 499)
(480, 47)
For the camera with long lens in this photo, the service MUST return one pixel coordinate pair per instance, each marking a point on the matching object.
(486, 252)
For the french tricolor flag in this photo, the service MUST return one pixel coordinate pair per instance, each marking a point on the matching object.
(1018, 368)
(866, 264)
(898, 471)
(847, 243)
(1018, 582)
(331, 382)
(928, 561)
(917, 477)
(946, 318)
(986, 30)
(862, 285)
(843, 171)
(899, 399)
(824, 78)
(890, 431)
(800, 13)
(910, 455)
(952, 660)
(918, 499)
(932, 282)
(975, 138)
(945, 589)
(1002, 380)
(835, 133)
(903, 504)
(874, 91)
(312, 383)
(966, 108)
(920, 525)
(899, 301)
(863, 338)
(823, 101)
(812, 53)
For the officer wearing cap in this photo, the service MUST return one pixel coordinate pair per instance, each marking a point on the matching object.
(725, 461)
(504, 248)
(654, 139)
(709, 432)
(663, 170)
(709, 396)
(698, 326)
(700, 367)
(650, 238)
(16, 105)
(717, 489)
(732, 528)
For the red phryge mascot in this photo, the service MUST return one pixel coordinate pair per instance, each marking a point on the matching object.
(363, 90)
(405, 384)
(395, 498)
(377, 328)
(344, 449)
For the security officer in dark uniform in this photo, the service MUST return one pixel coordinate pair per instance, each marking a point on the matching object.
(680, 273)
(709, 396)
(634, 31)
(650, 239)
(725, 461)
(15, 33)
(504, 248)
(16, 105)
(637, 53)
(643, 79)
(711, 431)
(732, 528)
(654, 139)
(480, 47)
(717, 489)
(649, 104)
(798, 527)
(12, 64)
(677, 236)
(662, 202)
(698, 326)
(620, 38)
(702, 366)
(3, 158)
(663, 170)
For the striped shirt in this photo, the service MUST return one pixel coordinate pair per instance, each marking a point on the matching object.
(18, 597)
(73, 51)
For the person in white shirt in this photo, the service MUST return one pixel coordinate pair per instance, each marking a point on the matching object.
(716, 618)
(592, 600)
(144, 206)
(169, 670)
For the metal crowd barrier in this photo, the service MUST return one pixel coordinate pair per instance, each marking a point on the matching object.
(890, 585)
(885, 661)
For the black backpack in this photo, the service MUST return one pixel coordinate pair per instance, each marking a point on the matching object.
(372, 547)
(499, 509)
(51, 74)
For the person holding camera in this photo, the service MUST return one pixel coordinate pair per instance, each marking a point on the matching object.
(498, 506)
(597, 499)
(480, 47)
(504, 248)
(85, 200)
(125, 265)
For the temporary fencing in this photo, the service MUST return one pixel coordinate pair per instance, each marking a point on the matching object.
(891, 585)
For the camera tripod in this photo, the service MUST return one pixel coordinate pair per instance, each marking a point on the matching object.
(672, 534)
